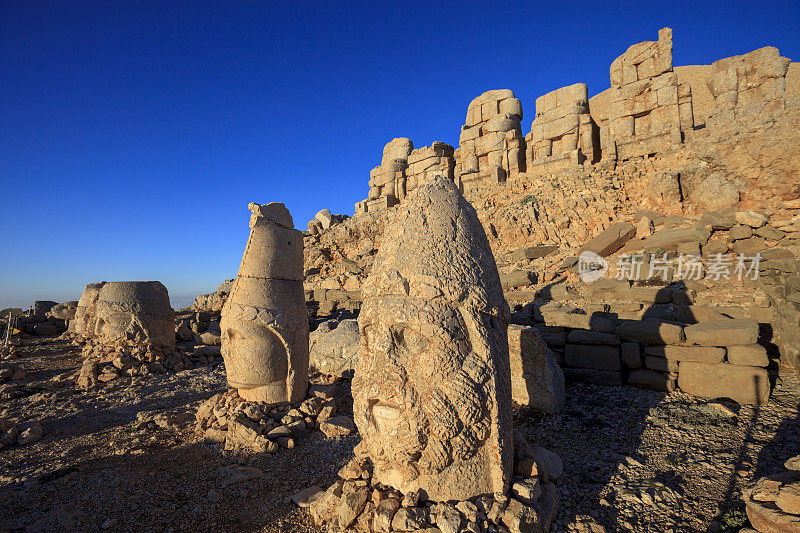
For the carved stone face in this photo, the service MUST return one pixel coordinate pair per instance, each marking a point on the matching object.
(423, 406)
(262, 359)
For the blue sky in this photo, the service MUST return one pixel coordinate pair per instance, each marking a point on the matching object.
(134, 133)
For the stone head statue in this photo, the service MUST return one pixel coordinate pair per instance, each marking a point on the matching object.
(431, 392)
(264, 321)
(137, 311)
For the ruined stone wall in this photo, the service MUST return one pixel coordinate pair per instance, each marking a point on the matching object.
(749, 84)
(563, 132)
(491, 146)
(645, 112)
(402, 170)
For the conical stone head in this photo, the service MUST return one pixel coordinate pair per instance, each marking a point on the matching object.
(264, 320)
(432, 391)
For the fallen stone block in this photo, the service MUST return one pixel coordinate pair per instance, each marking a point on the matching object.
(743, 384)
(518, 278)
(612, 239)
(693, 314)
(578, 321)
(669, 239)
(702, 354)
(533, 252)
(594, 357)
(723, 332)
(651, 332)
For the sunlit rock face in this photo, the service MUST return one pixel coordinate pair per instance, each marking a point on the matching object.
(86, 312)
(137, 311)
(264, 321)
(431, 391)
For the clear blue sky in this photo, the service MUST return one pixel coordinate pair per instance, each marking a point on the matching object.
(134, 133)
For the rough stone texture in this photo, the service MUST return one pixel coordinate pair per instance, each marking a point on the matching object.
(491, 145)
(402, 170)
(612, 239)
(333, 347)
(563, 132)
(86, 311)
(649, 108)
(723, 332)
(432, 391)
(536, 379)
(264, 321)
(64, 311)
(137, 311)
(701, 354)
(749, 84)
(744, 384)
(749, 355)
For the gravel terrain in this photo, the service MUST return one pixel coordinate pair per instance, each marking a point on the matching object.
(125, 457)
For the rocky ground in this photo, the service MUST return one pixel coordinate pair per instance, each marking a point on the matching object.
(126, 456)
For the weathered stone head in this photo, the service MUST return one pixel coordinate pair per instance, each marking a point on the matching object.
(137, 311)
(432, 392)
(264, 321)
(86, 312)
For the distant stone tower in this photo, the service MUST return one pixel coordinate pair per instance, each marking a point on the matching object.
(432, 390)
(264, 321)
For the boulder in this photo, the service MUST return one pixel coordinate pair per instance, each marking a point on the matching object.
(754, 219)
(333, 347)
(611, 240)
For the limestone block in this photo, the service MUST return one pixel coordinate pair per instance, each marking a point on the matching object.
(432, 390)
(264, 322)
(701, 354)
(744, 384)
(612, 239)
(651, 332)
(536, 379)
(723, 332)
(749, 355)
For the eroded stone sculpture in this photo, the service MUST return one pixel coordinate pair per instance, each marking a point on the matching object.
(491, 147)
(649, 109)
(404, 168)
(135, 312)
(749, 84)
(563, 132)
(432, 391)
(264, 321)
(86, 312)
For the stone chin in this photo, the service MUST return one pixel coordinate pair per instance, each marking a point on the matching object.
(257, 378)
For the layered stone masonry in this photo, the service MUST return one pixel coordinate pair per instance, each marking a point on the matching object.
(491, 146)
(402, 170)
(650, 113)
(563, 132)
(648, 108)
